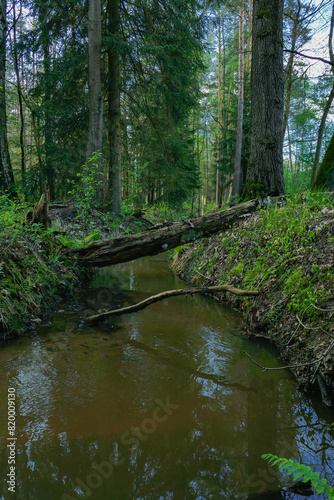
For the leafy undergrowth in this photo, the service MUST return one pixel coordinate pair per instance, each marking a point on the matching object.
(34, 273)
(288, 255)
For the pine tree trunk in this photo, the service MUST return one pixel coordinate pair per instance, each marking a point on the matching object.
(114, 110)
(6, 172)
(249, 41)
(237, 162)
(220, 116)
(265, 168)
(94, 145)
(46, 42)
(19, 93)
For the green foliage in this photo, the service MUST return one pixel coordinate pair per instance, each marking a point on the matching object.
(302, 472)
(162, 212)
(85, 191)
(32, 267)
(237, 270)
(94, 236)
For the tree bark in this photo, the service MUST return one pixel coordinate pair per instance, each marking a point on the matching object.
(19, 93)
(238, 149)
(165, 295)
(114, 110)
(265, 168)
(94, 144)
(40, 213)
(249, 41)
(6, 173)
(158, 240)
(219, 193)
(48, 174)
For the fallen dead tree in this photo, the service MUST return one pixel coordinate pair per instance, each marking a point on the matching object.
(157, 240)
(165, 295)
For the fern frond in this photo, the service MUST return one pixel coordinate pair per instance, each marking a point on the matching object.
(302, 472)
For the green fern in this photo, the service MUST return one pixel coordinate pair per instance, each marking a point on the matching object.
(302, 472)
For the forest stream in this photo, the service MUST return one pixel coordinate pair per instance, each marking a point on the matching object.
(160, 404)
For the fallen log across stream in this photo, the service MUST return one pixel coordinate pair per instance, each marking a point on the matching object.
(165, 295)
(157, 240)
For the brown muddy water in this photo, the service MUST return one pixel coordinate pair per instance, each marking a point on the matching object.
(160, 404)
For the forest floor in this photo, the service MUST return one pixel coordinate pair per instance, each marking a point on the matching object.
(35, 276)
(286, 254)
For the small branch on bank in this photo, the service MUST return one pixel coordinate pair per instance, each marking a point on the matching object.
(165, 295)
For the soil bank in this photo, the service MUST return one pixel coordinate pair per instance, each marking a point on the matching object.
(288, 255)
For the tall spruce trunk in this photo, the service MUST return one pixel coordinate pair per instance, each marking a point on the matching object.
(238, 149)
(249, 41)
(219, 193)
(114, 111)
(94, 145)
(6, 172)
(47, 170)
(19, 94)
(265, 168)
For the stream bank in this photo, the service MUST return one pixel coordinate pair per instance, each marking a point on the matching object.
(288, 255)
(35, 276)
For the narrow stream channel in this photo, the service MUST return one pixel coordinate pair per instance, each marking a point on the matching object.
(160, 404)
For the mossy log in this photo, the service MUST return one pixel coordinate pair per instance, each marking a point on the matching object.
(157, 240)
(165, 295)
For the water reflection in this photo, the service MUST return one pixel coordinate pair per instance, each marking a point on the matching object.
(156, 405)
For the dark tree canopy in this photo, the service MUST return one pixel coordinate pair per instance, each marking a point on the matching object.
(191, 100)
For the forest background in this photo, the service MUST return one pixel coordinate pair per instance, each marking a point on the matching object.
(154, 98)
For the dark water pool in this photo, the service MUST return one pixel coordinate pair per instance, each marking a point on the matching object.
(161, 404)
